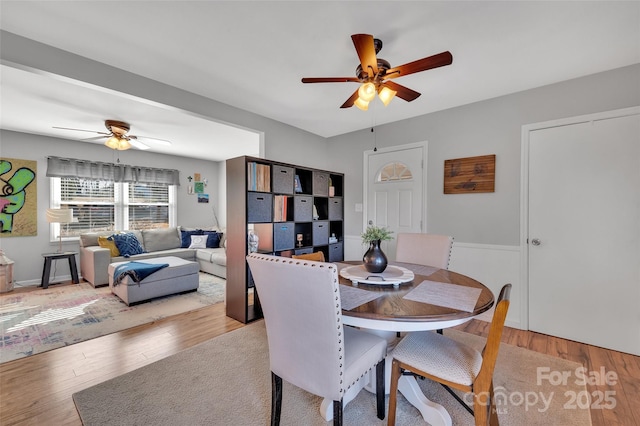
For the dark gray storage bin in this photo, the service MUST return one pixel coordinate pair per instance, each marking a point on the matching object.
(336, 253)
(321, 184)
(303, 208)
(284, 236)
(320, 233)
(335, 208)
(259, 207)
(282, 179)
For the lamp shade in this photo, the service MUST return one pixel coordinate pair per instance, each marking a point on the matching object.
(59, 215)
(386, 95)
(123, 144)
(367, 92)
(362, 104)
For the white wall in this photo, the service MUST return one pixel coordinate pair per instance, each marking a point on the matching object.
(486, 227)
(488, 127)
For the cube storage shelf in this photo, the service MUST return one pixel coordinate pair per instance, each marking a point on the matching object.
(292, 209)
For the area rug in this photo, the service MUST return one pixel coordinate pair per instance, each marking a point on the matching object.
(226, 381)
(44, 319)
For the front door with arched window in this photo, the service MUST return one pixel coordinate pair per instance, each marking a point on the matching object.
(394, 190)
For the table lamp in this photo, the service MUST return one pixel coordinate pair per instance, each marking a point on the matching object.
(60, 216)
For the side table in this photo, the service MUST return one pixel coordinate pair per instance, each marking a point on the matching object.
(46, 271)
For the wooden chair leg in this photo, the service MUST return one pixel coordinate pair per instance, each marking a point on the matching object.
(393, 393)
(380, 388)
(481, 409)
(276, 399)
(493, 414)
(337, 413)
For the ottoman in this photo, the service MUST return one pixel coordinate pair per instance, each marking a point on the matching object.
(180, 276)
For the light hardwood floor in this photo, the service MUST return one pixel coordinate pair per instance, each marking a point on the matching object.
(37, 390)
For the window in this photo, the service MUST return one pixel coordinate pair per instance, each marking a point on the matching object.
(394, 172)
(109, 206)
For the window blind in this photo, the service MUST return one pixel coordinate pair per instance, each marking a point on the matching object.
(96, 170)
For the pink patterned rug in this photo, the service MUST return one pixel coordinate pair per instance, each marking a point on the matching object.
(41, 320)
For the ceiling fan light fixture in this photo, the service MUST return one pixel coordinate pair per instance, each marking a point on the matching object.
(361, 104)
(120, 144)
(367, 92)
(113, 142)
(123, 144)
(386, 95)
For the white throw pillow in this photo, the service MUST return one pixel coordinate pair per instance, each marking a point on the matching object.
(198, 241)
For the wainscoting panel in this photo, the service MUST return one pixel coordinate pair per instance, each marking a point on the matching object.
(492, 265)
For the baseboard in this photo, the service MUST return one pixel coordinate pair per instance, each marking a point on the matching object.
(31, 283)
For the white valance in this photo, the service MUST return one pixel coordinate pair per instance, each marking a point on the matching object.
(96, 170)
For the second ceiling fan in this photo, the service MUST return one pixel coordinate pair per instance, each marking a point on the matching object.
(375, 74)
(118, 136)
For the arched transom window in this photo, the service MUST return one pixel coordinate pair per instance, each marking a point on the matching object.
(394, 172)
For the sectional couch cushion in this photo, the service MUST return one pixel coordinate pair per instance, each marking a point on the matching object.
(160, 239)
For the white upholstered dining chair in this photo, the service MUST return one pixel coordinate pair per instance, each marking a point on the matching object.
(453, 364)
(424, 249)
(308, 345)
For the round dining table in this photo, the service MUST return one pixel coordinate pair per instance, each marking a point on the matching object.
(393, 309)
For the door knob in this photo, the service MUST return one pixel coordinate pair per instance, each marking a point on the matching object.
(370, 222)
(535, 242)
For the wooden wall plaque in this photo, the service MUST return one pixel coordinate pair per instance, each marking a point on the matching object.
(471, 174)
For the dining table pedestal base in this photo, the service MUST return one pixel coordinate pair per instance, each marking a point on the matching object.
(432, 413)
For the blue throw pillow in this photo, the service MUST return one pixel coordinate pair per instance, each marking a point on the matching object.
(185, 237)
(213, 239)
(128, 244)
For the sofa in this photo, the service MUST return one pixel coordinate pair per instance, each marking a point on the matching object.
(173, 241)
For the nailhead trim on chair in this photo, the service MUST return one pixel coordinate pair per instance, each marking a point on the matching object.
(336, 289)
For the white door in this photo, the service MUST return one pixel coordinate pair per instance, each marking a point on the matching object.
(584, 232)
(394, 191)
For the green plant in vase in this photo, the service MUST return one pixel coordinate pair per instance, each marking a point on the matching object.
(375, 261)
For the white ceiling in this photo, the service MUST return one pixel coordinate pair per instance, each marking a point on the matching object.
(252, 55)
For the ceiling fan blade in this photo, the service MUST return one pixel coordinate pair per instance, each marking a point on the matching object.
(150, 139)
(95, 138)
(366, 52)
(435, 61)
(350, 101)
(80, 130)
(402, 91)
(138, 144)
(329, 79)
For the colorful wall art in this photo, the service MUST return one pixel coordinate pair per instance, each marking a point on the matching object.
(18, 198)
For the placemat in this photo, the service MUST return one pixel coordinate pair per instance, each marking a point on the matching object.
(443, 294)
(351, 297)
(417, 269)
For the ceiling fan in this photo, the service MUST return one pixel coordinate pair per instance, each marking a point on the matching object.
(375, 74)
(118, 138)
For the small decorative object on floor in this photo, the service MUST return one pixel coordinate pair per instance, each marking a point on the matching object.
(253, 240)
(6, 273)
(375, 261)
